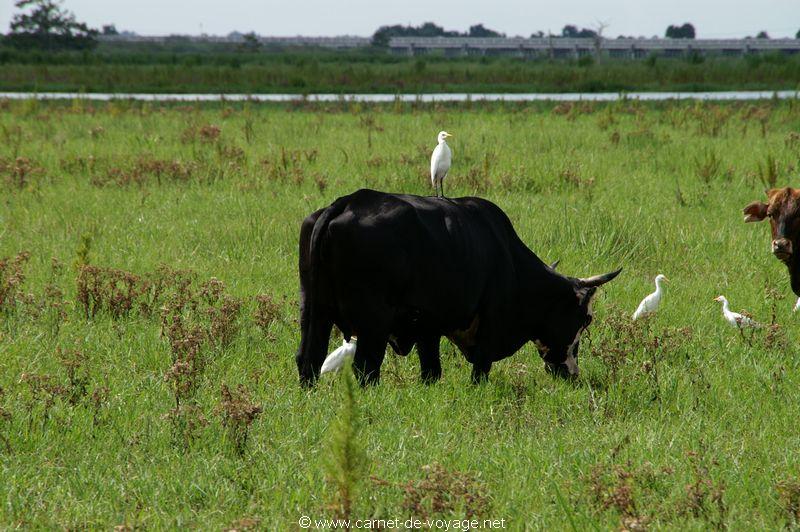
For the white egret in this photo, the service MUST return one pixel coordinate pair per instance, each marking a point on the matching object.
(339, 356)
(440, 163)
(651, 302)
(797, 305)
(734, 318)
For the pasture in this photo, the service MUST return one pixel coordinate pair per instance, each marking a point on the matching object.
(148, 307)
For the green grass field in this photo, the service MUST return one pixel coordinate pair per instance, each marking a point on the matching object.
(678, 422)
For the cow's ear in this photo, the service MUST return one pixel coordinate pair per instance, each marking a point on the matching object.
(755, 212)
(585, 295)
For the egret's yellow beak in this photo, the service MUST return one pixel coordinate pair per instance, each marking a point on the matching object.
(448, 135)
(666, 279)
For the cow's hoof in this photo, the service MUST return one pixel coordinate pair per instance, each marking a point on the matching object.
(559, 370)
(430, 378)
(306, 383)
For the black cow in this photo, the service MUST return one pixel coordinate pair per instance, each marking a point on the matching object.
(411, 269)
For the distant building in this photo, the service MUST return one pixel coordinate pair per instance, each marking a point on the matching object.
(577, 47)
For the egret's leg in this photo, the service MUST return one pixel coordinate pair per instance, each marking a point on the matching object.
(442, 185)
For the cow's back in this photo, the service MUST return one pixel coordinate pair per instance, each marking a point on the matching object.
(407, 255)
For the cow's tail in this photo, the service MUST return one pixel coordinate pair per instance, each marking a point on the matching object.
(318, 233)
(315, 315)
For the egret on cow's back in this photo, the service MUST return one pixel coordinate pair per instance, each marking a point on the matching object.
(440, 163)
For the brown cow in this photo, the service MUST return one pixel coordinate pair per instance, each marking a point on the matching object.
(783, 211)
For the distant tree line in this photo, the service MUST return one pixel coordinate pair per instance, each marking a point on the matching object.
(685, 31)
(428, 29)
(573, 32)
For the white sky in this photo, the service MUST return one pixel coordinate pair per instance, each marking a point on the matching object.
(711, 18)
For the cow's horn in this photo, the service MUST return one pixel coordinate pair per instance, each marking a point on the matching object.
(554, 264)
(598, 280)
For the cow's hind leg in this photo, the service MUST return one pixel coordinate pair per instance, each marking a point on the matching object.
(367, 361)
(480, 371)
(315, 331)
(429, 359)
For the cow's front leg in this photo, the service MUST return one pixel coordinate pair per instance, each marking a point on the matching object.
(429, 359)
(480, 371)
(368, 359)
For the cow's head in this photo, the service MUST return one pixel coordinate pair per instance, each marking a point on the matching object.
(783, 210)
(558, 341)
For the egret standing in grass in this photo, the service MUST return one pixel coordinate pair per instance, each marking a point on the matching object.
(797, 305)
(440, 163)
(336, 360)
(651, 302)
(735, 319)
